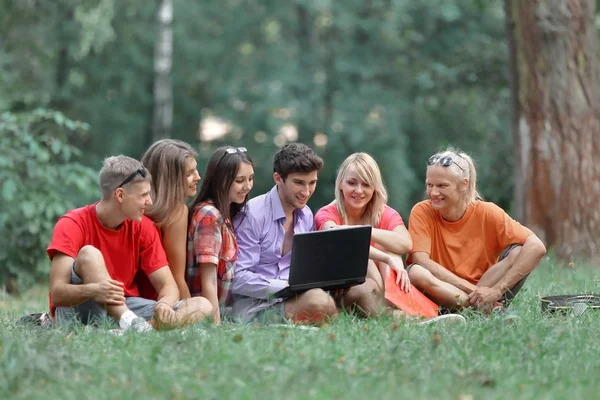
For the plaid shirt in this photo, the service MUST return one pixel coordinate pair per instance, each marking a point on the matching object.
(211, 240)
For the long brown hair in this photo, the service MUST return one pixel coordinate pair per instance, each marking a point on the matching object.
(220, 173)
(167, 160)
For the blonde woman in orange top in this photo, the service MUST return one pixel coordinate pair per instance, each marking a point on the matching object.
(466, 252)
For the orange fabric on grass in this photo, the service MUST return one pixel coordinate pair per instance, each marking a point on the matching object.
(467, 247)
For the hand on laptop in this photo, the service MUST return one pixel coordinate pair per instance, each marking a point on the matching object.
(396, 263)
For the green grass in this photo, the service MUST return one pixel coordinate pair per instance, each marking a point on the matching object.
(536, 357)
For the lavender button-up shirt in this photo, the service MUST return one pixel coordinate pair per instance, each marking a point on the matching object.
(261, 270)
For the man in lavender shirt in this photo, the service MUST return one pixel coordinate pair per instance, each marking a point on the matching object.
(264, 231)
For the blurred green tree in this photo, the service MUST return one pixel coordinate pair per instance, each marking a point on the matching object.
(41, 178)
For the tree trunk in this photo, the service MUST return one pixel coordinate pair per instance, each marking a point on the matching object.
(162, 118)
(552, 44)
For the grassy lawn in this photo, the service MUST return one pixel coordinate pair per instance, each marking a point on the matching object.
(535, 357)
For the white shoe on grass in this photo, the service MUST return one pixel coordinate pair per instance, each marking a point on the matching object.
(140, 325)
(449, 319)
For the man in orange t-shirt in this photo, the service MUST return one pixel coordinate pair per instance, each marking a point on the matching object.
(467, 252)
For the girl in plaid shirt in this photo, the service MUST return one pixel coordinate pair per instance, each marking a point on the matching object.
(212, 248)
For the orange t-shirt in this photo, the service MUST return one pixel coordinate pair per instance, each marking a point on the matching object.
(467, 247)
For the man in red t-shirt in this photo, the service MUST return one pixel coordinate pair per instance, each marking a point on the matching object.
(97, 250)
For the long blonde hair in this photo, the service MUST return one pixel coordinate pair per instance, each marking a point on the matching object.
(167, 160)
(368, 171)
(463, 167)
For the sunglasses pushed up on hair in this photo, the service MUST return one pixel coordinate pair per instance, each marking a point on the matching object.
(141, 171)
(233, 150)
(444, 161)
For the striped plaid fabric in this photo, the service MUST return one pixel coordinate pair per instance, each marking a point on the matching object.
(211, 240)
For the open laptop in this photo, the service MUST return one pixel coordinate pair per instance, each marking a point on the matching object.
(329, 259)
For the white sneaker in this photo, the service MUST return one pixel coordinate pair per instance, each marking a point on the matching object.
(445, 319)
(140, 325)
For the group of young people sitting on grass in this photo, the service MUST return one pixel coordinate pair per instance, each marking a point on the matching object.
(145, 259)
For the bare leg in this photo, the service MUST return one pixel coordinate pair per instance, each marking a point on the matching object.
(439, 291)
(90, 267)
(499, 270)
(368, 297)
(192, 311)
(313, 306)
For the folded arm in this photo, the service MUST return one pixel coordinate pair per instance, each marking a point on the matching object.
(397, 241)
(210, 290)
(165, 285)
(63, 293)
(441, 273)
(531, 253)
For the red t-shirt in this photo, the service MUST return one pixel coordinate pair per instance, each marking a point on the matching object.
(135, 245)
(389, 220)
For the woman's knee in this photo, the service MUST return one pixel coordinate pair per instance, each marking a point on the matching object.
(369, 288)
(199, 305)
(420, 276)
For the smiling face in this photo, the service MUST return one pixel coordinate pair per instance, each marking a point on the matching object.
(192, 176)
(444, 189)
(134, 199)
(357, 193)
(297, 188)
(242, 184)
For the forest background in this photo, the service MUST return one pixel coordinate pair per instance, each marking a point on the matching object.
(398, 79)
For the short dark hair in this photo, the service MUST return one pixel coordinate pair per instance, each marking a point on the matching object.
(296, 157)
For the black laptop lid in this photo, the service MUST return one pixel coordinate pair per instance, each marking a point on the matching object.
(330, 255)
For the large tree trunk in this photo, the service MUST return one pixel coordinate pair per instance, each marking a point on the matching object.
(556, 126)
(162, 118)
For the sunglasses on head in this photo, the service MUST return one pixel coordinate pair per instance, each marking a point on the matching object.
(445, 161)
(141, 171)
(233, 150)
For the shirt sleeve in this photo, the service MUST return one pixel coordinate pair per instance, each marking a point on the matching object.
(67, 238)
(390, 219)
(247, 279)
(327, 213)
(207, 241)
(508, 230)
(152, 253)
(419, 227)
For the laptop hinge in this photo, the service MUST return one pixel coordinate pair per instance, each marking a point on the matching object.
(328, 284)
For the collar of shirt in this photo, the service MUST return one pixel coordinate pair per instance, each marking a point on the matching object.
(277, 207)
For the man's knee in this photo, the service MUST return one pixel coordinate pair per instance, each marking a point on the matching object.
(319, 302)
(87, 255)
